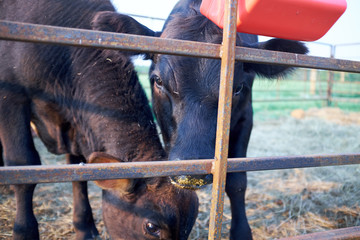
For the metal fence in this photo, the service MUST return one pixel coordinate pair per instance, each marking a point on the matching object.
(325, 90)
(311, 85)
(228, 53)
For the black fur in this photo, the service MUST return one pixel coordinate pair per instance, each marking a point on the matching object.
(185, 99)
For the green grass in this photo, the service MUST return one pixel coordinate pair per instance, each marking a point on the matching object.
(144, 80)
(294, 86)
(297, 86)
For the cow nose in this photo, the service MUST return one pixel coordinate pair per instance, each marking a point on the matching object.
(191, 182)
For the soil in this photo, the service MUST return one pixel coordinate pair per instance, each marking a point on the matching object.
(280, 203)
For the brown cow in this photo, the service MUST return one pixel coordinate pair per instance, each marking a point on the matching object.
(82, 101)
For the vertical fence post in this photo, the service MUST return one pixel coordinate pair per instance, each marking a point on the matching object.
(223, 120)
(330, 79)
(305, 80)
(313, 76)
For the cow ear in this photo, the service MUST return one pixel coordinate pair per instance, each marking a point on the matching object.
(120, 23)
(121, 185)
(115, 22)
(153, 56)
(282, 45)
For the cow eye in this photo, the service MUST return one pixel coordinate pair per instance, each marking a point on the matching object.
(152, 229)
(157, 80)
(238, 89)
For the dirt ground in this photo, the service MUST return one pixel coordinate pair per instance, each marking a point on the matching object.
(280, 203)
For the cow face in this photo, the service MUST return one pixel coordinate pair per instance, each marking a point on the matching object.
(186, 91)
(145, 208)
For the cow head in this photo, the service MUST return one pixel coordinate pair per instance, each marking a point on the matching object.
(185, 90)
(134, 208)
(145, 208)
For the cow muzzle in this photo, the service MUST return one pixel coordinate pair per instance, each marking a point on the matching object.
(191, 182)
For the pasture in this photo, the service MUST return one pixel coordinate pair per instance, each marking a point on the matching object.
(279, 203)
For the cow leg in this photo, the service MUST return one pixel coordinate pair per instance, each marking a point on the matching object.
(25, 226)
(18, 150)
(236, 183)
(235, 189)
(82, 216)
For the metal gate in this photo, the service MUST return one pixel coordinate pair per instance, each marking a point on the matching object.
(228, 53)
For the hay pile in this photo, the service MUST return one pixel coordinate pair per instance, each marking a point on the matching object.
(335, 115)
(279, 203)
(291, 202)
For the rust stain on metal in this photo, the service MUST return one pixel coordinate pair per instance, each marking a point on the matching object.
(89, 172)
(88, 38)
(272, 163)
(296, 60)
(223, 120)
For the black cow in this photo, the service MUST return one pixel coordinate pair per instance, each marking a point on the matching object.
(86, 103)
(185, 100)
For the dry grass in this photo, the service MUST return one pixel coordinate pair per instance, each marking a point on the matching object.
(279, 203)
(292, 202)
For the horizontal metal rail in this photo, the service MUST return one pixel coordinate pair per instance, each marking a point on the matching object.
(344, 99)
(118, 41)
(289, 99)
(280, 90)
(337, 82)
(88, 38)
(346, 92)
(350, 233)
(90, 172)
(144, 17)
(296, 60)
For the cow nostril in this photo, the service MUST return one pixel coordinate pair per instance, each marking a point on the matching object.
(191, 182)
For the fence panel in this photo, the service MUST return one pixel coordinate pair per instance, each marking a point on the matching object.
(228, 52)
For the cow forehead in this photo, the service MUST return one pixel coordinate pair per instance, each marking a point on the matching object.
(189, 75)
(192, 28)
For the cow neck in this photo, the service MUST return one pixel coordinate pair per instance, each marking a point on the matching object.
(112, 106)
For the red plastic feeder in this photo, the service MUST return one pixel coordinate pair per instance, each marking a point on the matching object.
(304, 20)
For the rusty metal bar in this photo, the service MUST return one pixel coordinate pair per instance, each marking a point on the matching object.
(350, 233)
(90, 172)
(87, 38)
(296, 60)
(275, 163)
(223, 119)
